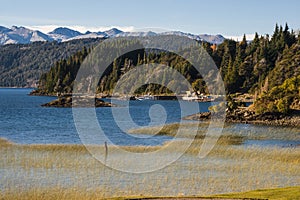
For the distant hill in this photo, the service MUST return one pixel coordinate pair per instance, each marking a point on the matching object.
(21, 65)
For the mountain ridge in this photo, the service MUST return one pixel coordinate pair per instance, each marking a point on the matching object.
(23, 35)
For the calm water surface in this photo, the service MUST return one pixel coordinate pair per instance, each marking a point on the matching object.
(24, 121)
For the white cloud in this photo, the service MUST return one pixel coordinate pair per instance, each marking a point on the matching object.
(240, 37)
(44, 29)
(82, 29)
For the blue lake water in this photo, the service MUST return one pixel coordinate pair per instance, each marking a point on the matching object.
(24, 121)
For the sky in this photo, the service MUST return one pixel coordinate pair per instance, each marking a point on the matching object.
(230, 18)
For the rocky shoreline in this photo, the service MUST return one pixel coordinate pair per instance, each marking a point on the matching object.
(244, 115)
(67, 102)
(38, 93)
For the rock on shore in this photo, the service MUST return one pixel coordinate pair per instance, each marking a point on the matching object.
(66, 102)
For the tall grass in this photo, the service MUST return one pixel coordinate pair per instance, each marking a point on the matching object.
(71, 172)
(52, 194)
(4, 143)
(289, 193)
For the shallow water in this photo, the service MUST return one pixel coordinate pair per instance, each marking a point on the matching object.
(271, 142)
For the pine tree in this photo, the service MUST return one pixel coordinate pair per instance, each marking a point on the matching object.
(276, 35)
(231, 77)
(114, 76)
(254, 45)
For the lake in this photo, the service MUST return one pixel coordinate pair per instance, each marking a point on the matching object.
(24, 121)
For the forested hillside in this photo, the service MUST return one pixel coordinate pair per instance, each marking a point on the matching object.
(60, 78)
(21, 65)
(267, 67)
(245, 67)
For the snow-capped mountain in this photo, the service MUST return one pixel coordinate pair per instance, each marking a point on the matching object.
(22, 35)
(179, 33)
(112, 32)
(61, 34)
(214, 39)
(4, 29)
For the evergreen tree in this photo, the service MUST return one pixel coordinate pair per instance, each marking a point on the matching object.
(254, 45)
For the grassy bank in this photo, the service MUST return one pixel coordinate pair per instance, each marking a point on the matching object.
(289, 193)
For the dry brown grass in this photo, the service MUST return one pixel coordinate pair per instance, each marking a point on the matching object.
(70, 172)
(51, 194)
(5, 143)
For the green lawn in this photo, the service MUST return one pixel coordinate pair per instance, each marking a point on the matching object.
(289, 193)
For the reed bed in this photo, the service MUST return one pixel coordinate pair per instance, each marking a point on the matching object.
(71, 172)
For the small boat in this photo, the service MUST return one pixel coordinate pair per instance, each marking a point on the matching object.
(195, 97)
(145, 97)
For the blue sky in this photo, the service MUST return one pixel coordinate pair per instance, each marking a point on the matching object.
(229, 18)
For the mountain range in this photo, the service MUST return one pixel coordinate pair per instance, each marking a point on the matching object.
(22, 35)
